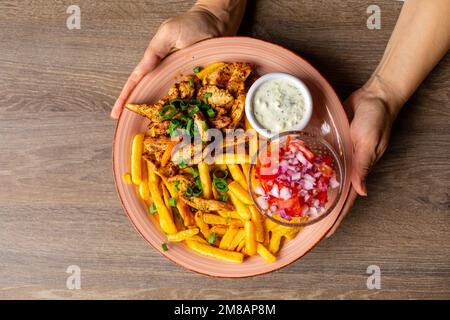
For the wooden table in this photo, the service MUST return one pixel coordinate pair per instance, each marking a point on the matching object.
(58, 204)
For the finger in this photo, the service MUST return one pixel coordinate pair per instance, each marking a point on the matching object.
(146, 65)
(159, 47)
(363, 159)
(347, 205)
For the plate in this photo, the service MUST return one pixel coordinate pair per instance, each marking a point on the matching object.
(267, 57)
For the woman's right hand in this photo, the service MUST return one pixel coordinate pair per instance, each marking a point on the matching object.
(195, 25)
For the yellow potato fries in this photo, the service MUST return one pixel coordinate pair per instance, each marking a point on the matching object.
(241, 208)
(182, 235)
(208, 69)
(263, 252)
(240, 235)
(136, 158)
(218, 229)
(210, 251)
(228, 237)
(240, 193)
(211, 218)
(205, 179)
(259, 224)
(127, 178)
(238, 176)
(165, 218)
(274, 244)
(250, 238)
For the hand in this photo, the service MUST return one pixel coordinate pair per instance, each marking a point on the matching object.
(176, 33)
(370, 130)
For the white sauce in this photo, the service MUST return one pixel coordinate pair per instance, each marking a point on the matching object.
(278, 104)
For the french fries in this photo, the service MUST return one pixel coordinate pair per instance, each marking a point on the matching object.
(211, 218)
(136, 158)
(207, 250)
(205, 179)
(241, 208)
(250, 238)
(182, 235)
(228, 237)
(259, 224)
(208, 69)
(237, 175)
(266, 254)
(165, 218)
(240, 193)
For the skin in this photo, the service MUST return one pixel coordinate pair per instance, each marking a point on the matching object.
(420, 39)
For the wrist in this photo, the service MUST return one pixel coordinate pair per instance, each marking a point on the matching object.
(227, 14)
(376, 87)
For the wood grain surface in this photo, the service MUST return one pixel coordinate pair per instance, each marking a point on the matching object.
(58, 204)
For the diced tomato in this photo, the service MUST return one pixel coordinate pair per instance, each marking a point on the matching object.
(322, 196)
(326, 170)
(306, 151)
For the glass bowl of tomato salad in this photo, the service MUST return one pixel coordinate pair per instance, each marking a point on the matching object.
(295, 179)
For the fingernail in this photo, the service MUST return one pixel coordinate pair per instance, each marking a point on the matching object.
(364, 189)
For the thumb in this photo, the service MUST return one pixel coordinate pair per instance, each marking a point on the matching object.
(363, 159)
(155, 52)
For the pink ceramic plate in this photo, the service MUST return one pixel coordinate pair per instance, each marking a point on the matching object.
(268, 58)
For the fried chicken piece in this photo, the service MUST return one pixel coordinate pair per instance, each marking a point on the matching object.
(187, 87)
(201, 204)
(207, 205)
(237, 111)
(200, 123)
(168, 170)
(236, 83)
(218, 97)
(220, 121)
(220, 76)
(150, 111)
(231, 76)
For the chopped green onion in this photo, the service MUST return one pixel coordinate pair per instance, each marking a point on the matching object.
(205, 106)
(189, 192)
(193, 111)
(191, 83)
(194, 102)
(204, 126)
(198, 183)
(211, 113)
(197, 69)
(212, 238)
(182, 163)
(207, 94)
(172, 202)
(167, 115)
(220, 185)
(164, 247)
(196, 191)
(220, 174)
(173, 126)
(176, 185)
(189, 125)
(223, 198)
(194, 173)
(152, 208)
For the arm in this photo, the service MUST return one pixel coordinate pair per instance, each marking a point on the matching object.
(206, 19)
(420, 39)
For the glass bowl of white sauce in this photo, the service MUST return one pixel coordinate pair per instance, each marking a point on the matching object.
(278, 102)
